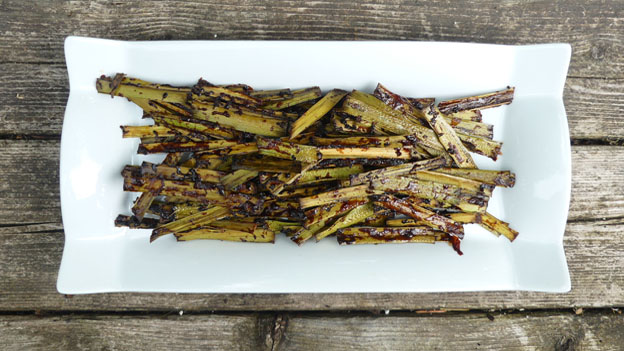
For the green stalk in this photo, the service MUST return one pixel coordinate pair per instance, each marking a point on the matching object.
(202, 127)
(268, 164)
(107, 85)
(387, 119)
(238, 149)
(320, 175)
(302, 191)
(143, 202)
(236, 178)
(238, 119)
(487, 221)
(180, 173)
(272, 95)
(354, 216)
(464, 183)
(394, 171)
(298, 96)
(316, 112)
(404, 153)
(327, 212)
(413, 107)
(205, 92)
(342, 194)
(479, 102)
(185, 147)
(304, 234)
(466, 201)
(504, 179)
(209, 233)
(135, 223)
(234, 224)
(287, 150)
(448, 138)
(407, 222)
(381, 235)
(190, 222)
(147, 131)
(429, 218)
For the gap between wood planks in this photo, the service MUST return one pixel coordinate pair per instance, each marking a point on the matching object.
(598, 142)
(28, 137)
(489, 313)
(575, 141)
(272, 326)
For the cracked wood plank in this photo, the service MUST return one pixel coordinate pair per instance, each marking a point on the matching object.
(30, 192)
(29, 265)
(153, 332)
(594, 28)
(405, 331)
(33, 99)
(31, 246)
(465, 331)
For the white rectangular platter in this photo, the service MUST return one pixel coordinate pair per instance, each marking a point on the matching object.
(99, 257)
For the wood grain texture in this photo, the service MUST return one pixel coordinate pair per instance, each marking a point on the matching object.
(30, 192)
(594, 28)
(30, 257)
(31, 241)
(595, 108)
(537, 331)
(597, 183)
(208, 332)
(406, 331)
(33, 94)
(33, 99)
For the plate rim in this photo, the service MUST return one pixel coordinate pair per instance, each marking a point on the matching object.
(72, 40)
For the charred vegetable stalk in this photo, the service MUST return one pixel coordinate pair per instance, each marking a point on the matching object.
(478, 102)
(355, 216)
(431, 219)
(244, 165)
(381, 235)
(317, 111)
(448, 138)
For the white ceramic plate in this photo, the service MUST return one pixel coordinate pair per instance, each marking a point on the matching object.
(101, 258)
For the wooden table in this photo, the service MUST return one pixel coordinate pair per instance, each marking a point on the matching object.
(33, 93)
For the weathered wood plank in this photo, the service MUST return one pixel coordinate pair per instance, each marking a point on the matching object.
(406, 331)
(594, 108)
(597, 183)
(594, 28)
(33, 98)
(29, 261)
(30, 252)
(537, 331)
(207, 332)
(30, 192)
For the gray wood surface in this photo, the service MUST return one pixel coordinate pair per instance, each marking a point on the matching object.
(405, 331)
(33, 93)
(173, 332)
(29, 266)
(34, 98)
(33, 187)
(32, 242)
(593, 27)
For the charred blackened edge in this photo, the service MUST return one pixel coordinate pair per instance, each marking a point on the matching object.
(406, 208)
(494, 99)
(493, 153)
(135, 223)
